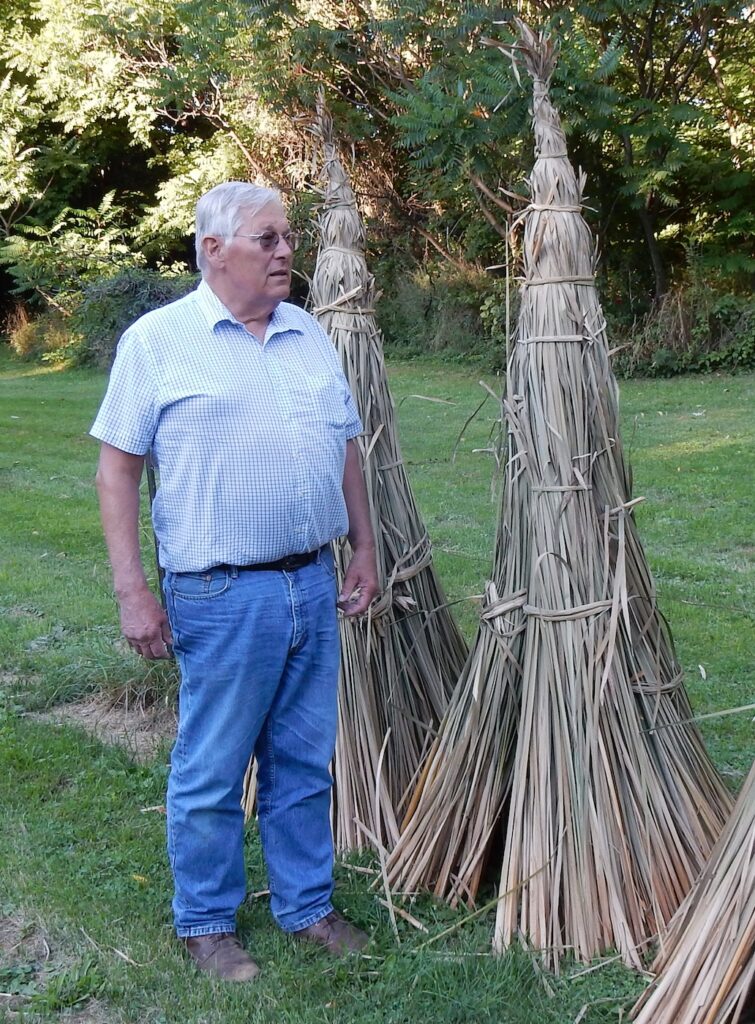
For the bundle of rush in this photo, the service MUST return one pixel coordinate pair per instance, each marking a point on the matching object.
(596, 797)
(706, 965)
(400, 662)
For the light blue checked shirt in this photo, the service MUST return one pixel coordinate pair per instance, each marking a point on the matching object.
(250, 439)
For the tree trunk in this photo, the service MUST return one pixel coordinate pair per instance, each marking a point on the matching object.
(659, 271)
(648, 226)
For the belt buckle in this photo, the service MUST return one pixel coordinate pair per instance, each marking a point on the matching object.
(290, 562)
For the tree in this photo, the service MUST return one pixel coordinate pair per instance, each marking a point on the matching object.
(155, 102)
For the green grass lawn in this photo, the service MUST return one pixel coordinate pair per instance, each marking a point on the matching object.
(84, 886)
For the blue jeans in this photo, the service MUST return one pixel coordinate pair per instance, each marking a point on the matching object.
(259, 658)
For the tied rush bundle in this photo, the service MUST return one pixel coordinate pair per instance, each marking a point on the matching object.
(566, 759)
(400, 662)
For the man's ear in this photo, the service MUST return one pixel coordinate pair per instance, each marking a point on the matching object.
(214, 249)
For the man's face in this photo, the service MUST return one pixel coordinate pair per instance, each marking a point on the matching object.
(253, 272)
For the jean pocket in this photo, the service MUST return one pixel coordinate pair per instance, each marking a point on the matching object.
(327, 561)
(200, 586)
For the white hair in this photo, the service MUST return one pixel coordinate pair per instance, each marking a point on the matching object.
(220, 211)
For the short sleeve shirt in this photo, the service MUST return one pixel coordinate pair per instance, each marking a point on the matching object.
(249, 438)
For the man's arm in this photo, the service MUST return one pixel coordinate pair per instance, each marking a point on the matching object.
(143, 621)
(360, 584)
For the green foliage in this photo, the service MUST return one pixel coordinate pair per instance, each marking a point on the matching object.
(17, 185)
(19, 979)
(647, 116)
(54, 263)
(89, 283)
(151, 103)
(458, 313)
(68, 987)
(101, 312)
(72, 117)
(109, 306)
(692, 330)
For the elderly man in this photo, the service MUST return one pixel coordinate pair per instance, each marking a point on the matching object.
(242, 400)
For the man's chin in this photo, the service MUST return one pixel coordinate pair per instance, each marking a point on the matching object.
(281, 284)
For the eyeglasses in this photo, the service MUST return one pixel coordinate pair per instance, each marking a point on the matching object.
(269, 239)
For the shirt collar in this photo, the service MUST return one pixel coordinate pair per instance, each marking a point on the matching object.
(215, 312)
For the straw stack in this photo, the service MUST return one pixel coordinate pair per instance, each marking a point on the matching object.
(706, 967)
(613, 805)
(399, 663)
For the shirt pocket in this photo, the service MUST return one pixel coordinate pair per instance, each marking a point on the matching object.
(320, 400)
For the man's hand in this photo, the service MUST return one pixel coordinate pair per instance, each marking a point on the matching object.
(360, 584)
(144, 624)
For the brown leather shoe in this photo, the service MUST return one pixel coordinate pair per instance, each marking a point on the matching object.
(222, 955)
(335, 934)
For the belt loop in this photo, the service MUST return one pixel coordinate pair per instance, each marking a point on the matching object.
(234, 572)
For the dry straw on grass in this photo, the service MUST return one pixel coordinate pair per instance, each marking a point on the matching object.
(399, 663)
(570, 714)
(706, 967)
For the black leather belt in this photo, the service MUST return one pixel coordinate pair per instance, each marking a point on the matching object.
(287, 564)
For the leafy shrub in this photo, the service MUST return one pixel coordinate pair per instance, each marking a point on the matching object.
(100, 314)
(692, 329)
(109, 306)
(455, 312)
(86, 281)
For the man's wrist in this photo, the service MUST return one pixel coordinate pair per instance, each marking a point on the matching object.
(363, 544)
(129, 589)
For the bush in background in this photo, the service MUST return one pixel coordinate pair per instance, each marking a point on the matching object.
(691, 330)
(458, 313)
(109, 306)
(89, 333)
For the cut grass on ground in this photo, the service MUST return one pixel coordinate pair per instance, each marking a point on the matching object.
(84, 886)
